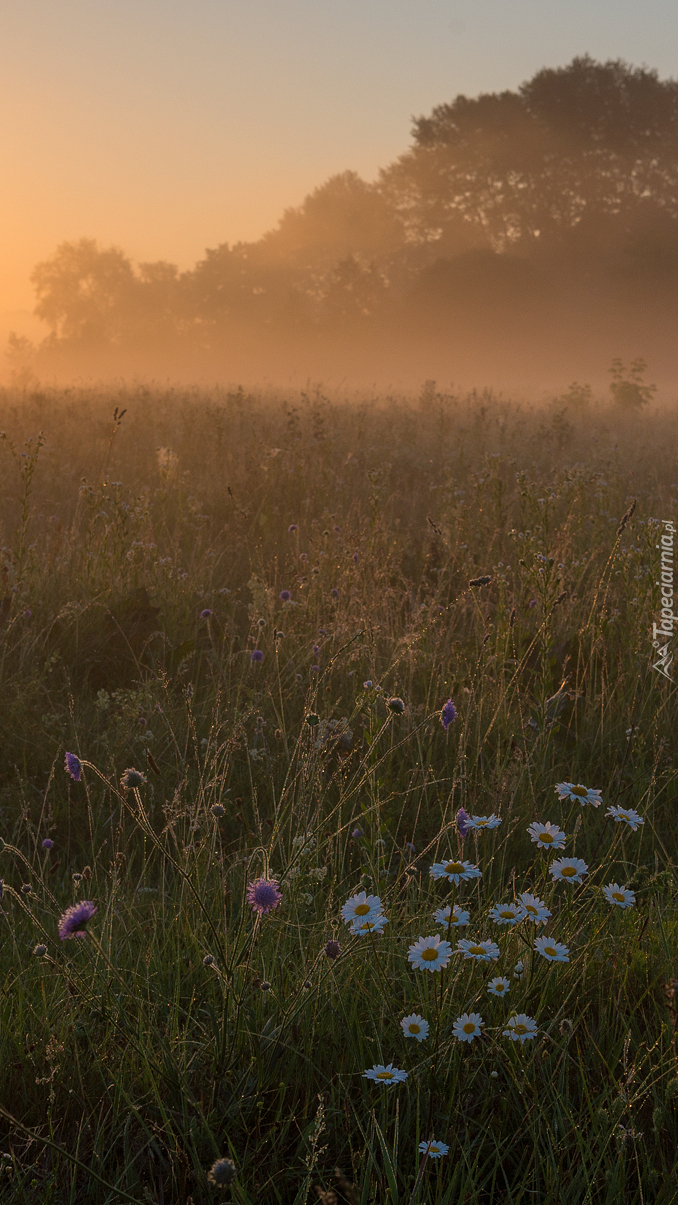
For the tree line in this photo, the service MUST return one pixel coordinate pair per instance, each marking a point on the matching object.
(509, 211)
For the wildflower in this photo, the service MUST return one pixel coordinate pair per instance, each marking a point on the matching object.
(518, 969)
(454, 872)
(357, 832)
(536, 910)
(367, 684)
(218, 809)
(72, 920)
(385, 1075)
(579, 794)
(532, 603)
(206, 614)
(356, 558)
(467, 1027)
(293, 527)
(395, 705)
(222, 1172)
(621, 896)
(73, 766)
(481, 951)
(415, 1026)
(458, 919)
(40, 951)
(520, 1028)
(448, 714)
(360, 907)
(373, 924)
(257, 656)
(48, 843)
(429, 953)
(462, 818)
(263, 895)
(633, 819)
(547, 836)
(434, 1150)
(507, 914)
(208, 960)
(132, 778)
(315, 669)
(499, 986)
(492, 821)
(284, 596)
(332, 950)
(334, 592)
(554, 951)
(410, 847)
(570, 870)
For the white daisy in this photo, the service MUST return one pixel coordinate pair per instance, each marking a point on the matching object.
(459, 916)
(415, 1026)
(481, 951)
(492, 821)
(468, 1026)
(435, 1150)
(385, 1075)
(547, 836)
(623, 897)
(454, 871)
(374, 924)
(507, 914)
(536, 909)
(429, 953)
(570, 870)
(360, 907)
(579, 794)
(633, 819)
(554, 951)
(499, 986)
(520, 1028)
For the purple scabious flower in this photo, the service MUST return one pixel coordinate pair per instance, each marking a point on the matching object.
(333, 949)
(284, 596)
(73, 766)
(263, 895)
(48, 843)
(355, 558)
(532, 603)
(357, 832)
(206, 614)
(72, 920)
(462, 819)
(315, 669)
(334, 592)
(257, 656)
(448, 714)
(292, 527)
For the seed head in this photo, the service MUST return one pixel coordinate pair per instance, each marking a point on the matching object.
(218, 809)
(481, 581)
(395, 705)
(222, 1172)
(40, 951)
(333, 949)
(132, 778)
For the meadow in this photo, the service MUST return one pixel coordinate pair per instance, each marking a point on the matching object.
(267, 659)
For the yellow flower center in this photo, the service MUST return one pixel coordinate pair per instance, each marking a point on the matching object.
(469, 1027)
(454, 868)
(499, 987)
(617, 895)
(507, 914)
(568, 871)
(434, 1150)
(362, 909)
(384, 1075)
(550, 950)
(429, 955)
(414, 1028)
(546, 838)
(520, 1028)
(580, 791)
(476, 950)
(531, 909)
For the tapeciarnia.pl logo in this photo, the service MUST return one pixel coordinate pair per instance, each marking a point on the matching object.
(662, 632)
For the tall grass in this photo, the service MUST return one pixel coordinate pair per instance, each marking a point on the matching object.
(144, 557)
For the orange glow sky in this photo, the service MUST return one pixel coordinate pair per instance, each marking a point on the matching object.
(169, 126)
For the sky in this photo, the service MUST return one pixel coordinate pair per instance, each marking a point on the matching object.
(168, 126)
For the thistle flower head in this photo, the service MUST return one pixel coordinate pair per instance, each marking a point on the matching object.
(72, 920)
(263, 895)
(73, 766)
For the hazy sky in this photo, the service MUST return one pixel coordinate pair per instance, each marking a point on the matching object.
(168, 126)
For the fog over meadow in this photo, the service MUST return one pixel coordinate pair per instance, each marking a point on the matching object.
(525, 238)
